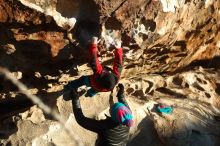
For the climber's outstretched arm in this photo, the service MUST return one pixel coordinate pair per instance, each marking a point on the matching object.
(120, 95)
(87, 123)
(117, 68)
(93, 59)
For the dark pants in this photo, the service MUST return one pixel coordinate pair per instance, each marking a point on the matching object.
(84, 80)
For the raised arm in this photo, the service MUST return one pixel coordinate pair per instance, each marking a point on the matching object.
(117, 67)
(87, 123)
(120, 95)
(93, 59)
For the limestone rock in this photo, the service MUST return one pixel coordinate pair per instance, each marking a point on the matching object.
(171, 56)
(9, 49)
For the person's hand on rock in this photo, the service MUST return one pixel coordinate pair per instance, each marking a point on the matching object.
(95, 40)
(117, 44)
(121, 90)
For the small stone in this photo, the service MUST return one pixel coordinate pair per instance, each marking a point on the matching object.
(50, 85)
(17, 75)
(37, 75)
(168, 60)
(9, 49)
(12, 94)
(64, 78)
(16, 118)
(33, 90)
(50, 77)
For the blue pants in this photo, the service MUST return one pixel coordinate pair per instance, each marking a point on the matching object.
(84, 80)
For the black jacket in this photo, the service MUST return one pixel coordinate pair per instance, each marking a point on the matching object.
(109, 132)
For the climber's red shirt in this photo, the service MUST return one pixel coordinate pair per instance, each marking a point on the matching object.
(98, 69)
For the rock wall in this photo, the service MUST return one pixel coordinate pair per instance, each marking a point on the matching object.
(171, 56)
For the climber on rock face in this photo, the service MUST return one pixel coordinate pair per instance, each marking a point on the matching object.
(103, 79)
(112, 131)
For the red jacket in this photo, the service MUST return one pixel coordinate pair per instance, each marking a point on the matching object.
(98, 69)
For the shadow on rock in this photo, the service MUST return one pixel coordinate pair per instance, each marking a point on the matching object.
(146, 135)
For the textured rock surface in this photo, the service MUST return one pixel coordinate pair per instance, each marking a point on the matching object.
(171, 56)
